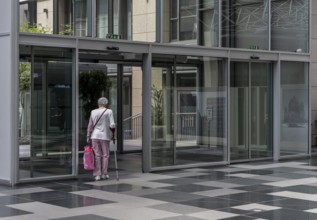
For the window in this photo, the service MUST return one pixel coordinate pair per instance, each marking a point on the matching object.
(183, 20)
(196, 21)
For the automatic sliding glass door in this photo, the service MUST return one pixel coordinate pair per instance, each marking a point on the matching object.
(250, 110)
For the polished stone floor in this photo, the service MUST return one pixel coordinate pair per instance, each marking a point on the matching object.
(262, 190)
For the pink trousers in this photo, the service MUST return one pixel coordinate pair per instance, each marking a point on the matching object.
(101, 151)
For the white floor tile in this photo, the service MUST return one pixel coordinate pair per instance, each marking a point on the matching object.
(294, 182)
(212, 215)
(296, 195)
(256, 206)
(243, 175)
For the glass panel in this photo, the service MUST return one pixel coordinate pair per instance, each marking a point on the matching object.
(174, 30)
(209, 23)
(261, 111)
(245, 24)
(116, 13)
(46, 122)
(162, 117)
(174, 11)
(290, 25)
(188, 28)
(102, 18)
(188, 17)
(36, 16)
(188, 110)
(132, 108)
(82, 26)
(239, 98)
(251, 110)
(65, 26)
(62, 17)
(294, 108)
(95, 81)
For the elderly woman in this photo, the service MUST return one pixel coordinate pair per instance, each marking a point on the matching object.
(101, 130)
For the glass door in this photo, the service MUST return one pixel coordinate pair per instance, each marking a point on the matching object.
(120, 80)
(250, 110)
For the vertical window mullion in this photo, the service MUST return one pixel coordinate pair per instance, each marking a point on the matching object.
(178, 19)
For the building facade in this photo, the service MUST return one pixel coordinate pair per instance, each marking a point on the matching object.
(192, 82)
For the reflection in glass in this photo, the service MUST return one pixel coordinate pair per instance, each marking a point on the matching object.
(245, 24)
(239, 92)
(294, 108)
(102, 18)
(188, 111)
(209, 23)
(183, 20)
(46, 98)
(62, 17)
(290, 25)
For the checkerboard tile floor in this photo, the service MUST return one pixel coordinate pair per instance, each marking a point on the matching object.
(285, 190)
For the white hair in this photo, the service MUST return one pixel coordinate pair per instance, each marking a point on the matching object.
(102, 101)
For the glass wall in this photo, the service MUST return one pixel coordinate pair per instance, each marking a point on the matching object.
(290, 25)
(62, 17)
(45, 112)
(245, 24)
(66, 17)
(188, 110)
(294, 108)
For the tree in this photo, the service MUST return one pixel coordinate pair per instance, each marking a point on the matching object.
(157, 106)
(92, 84)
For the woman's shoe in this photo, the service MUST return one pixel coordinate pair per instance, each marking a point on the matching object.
(97, 178)
(105, 177)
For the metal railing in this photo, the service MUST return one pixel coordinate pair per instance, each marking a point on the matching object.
(186, 126)
(132, 127)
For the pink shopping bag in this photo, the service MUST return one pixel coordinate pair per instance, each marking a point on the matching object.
(89, 163)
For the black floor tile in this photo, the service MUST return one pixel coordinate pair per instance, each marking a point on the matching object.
(212, 176)
(76, 201)
(173, 196)
(250, 197)
(245, 181)
(296, 204)
(7, 212)
(70, 188)
(189, 188)
(122, 187)
(177, 181)
(11, 200)
(212, 203)
(260, 188)
(43, 196)
(258, 172)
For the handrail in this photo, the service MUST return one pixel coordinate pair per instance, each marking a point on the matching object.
(132, 127)
(131, 117)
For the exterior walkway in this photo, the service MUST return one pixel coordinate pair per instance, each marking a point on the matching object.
(286, 190)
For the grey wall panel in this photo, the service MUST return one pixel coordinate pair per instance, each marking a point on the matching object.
(5, 15)
(5, 111)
